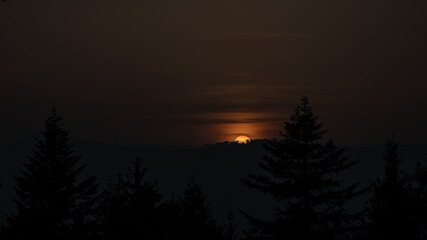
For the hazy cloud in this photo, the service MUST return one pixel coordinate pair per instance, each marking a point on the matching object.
(265, 35)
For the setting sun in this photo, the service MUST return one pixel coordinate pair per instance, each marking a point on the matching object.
(242, 139)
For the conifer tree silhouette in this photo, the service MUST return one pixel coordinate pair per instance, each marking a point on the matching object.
(419, 200)
(130, 207)
(171, 225)
(230, 231)
(390, 209)
(51, 202)
(302, 177)
(197, 219)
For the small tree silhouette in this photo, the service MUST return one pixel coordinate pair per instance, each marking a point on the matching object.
(419, 200)
(130, 207)
(51, 202)
(196, 214)
(390, 210)
(230, 231)
(302, 177)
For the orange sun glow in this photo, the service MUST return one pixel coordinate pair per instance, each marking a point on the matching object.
(242, 139)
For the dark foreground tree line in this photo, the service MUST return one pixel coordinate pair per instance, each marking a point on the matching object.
(301, 172)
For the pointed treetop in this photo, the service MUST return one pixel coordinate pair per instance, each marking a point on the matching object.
(391, 158)
(194, 199)
(54, 113)
(303, 125)
(54, 121)
(137, 172)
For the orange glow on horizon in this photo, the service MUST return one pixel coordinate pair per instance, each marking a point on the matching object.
(229, 126)
(242, 139)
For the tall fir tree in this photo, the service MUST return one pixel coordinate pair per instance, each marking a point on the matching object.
(390, 210)
(52, 201)
(130, 207)
(302, 176)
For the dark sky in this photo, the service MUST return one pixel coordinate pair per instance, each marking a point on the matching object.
(204, 71)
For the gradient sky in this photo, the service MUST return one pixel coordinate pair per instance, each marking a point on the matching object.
(204, 71)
